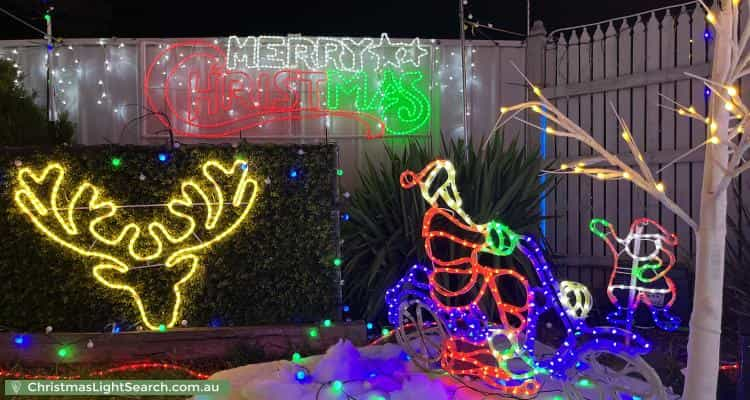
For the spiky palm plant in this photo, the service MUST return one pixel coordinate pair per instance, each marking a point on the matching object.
(383, 238)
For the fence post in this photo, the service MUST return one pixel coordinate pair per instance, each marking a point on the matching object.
(535, 44)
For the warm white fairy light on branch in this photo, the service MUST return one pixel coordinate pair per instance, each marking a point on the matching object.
(641, 175)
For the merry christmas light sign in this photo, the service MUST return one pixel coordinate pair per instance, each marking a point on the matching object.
(201, 89)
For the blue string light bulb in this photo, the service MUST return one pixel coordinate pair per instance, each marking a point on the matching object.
(20, 340)
(300, 376)
(163, 157)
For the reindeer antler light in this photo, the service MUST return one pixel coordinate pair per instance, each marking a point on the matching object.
(213, 205)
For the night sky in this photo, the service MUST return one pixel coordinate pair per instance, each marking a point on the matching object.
(400, 18)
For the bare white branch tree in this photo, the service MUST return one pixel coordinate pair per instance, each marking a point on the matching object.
(724, 147)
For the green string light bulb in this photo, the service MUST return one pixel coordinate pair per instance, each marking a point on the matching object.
(585, 383)
(63, 352)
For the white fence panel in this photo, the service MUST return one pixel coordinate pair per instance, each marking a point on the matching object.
(628, 63)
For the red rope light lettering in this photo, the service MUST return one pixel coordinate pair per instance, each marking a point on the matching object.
(218, 102)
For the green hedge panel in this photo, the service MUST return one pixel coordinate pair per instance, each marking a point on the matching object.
(276, 268)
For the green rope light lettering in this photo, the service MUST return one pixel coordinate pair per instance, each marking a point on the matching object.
(398, 100)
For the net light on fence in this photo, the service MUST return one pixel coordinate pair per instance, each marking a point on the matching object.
(660, 187)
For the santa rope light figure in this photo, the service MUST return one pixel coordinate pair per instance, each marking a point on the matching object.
(641, 261)
(454, 244)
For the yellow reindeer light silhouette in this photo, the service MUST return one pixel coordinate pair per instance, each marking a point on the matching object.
(221, 197)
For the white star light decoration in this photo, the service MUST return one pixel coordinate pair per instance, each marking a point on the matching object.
(402, 55)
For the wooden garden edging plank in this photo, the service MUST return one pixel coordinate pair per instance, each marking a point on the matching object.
(177, 344)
